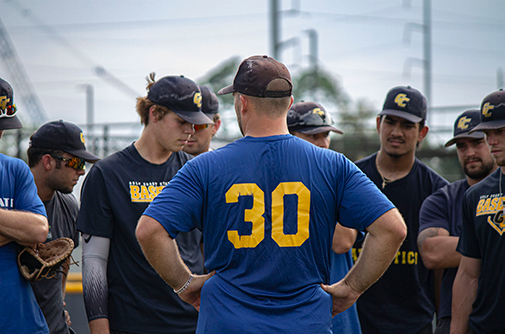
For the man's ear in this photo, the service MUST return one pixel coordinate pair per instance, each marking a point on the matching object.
(153, 115)
(378, 125)
(423, 133)
(47, 162)
(217, 125)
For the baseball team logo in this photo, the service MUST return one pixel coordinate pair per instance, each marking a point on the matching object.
(486, 109)
(82, 138)
(197, 99)
(463, 123)
(401, 100)
(492, 207)
(318, 111)
(3, 102)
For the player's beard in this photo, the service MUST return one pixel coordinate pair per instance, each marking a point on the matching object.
(57, 185)
(479, 173)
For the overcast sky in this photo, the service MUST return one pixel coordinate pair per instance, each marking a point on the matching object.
(367, 45)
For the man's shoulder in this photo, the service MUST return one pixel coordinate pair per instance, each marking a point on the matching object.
(363, 162)
(69, 198)
(485, 186)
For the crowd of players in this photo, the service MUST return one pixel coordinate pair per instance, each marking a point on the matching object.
(273, 233)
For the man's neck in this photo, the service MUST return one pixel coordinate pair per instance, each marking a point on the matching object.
(150, 150)
(394, 167)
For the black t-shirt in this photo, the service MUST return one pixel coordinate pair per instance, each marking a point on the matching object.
(482, 238)
(115, 194)
(444, 209)
(401, 301)
(61, 212)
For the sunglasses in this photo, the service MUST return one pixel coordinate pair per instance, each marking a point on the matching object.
(75, 162)
(8, 111)
(316, 118)
(199, 127)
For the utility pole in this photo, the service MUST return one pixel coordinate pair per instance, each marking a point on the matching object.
(274, 28)
(427, 49)
(499, 78)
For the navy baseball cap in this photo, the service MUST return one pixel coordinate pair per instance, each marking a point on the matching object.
(492, 112)
(464, 124)
(64, 136)
(182, 96)
(210, 102)
(8, 110)
(253, 76)
(310, 118)
(405, 102)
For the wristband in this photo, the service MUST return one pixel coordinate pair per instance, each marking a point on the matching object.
(185, 286)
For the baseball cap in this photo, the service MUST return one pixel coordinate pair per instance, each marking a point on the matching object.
(492, 111)
(310, 118)
(182, 96)
(210, 103)
(253, 76)
(62, 135)
(8, 118)
(405, 102)
(464, 124)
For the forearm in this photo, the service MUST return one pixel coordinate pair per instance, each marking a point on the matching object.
(379, 249)
(95, 254)
(464, 292)
(440, 252)
(25, 228)
(162, 253)
(99, 326)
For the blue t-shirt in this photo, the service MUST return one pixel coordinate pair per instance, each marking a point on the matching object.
(402, 300)
(482, 238)
(267, 207)
(444, 209)
(115, 193)
(19, 311)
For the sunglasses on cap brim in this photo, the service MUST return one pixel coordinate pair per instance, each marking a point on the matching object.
(8, 111)
(315, 118)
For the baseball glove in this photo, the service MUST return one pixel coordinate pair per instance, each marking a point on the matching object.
(45, 260)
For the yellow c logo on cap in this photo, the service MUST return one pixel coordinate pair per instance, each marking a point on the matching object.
(3, 102)
(318, 111)
(197, 99)
(400, 100)
(82, 138)
(485, 109)
(463, 123)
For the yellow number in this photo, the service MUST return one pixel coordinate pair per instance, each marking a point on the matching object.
(253, 215)
(289, 188)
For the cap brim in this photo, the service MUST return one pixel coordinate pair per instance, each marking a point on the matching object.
(312, 130)
(473, 135)
(194, 117)
(8, 123)
(402, 114)
(88, 156)
(491, 125)
(226, 90)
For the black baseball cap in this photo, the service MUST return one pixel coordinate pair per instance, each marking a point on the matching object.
(492, 112)
(405, 102)
(8, 118)
(310, 118)
(464, 124)
(64, 136)
(182, 96)
(253, 76)
(210, 102)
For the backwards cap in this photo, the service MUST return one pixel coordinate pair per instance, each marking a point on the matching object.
(253, 76)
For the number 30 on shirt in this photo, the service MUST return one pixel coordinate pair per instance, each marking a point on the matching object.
(255, 214)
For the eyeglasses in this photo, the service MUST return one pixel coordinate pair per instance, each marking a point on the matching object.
(75, 162)
(199, 127)
(8, 111)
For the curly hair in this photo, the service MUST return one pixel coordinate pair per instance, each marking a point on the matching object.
(144, 105)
